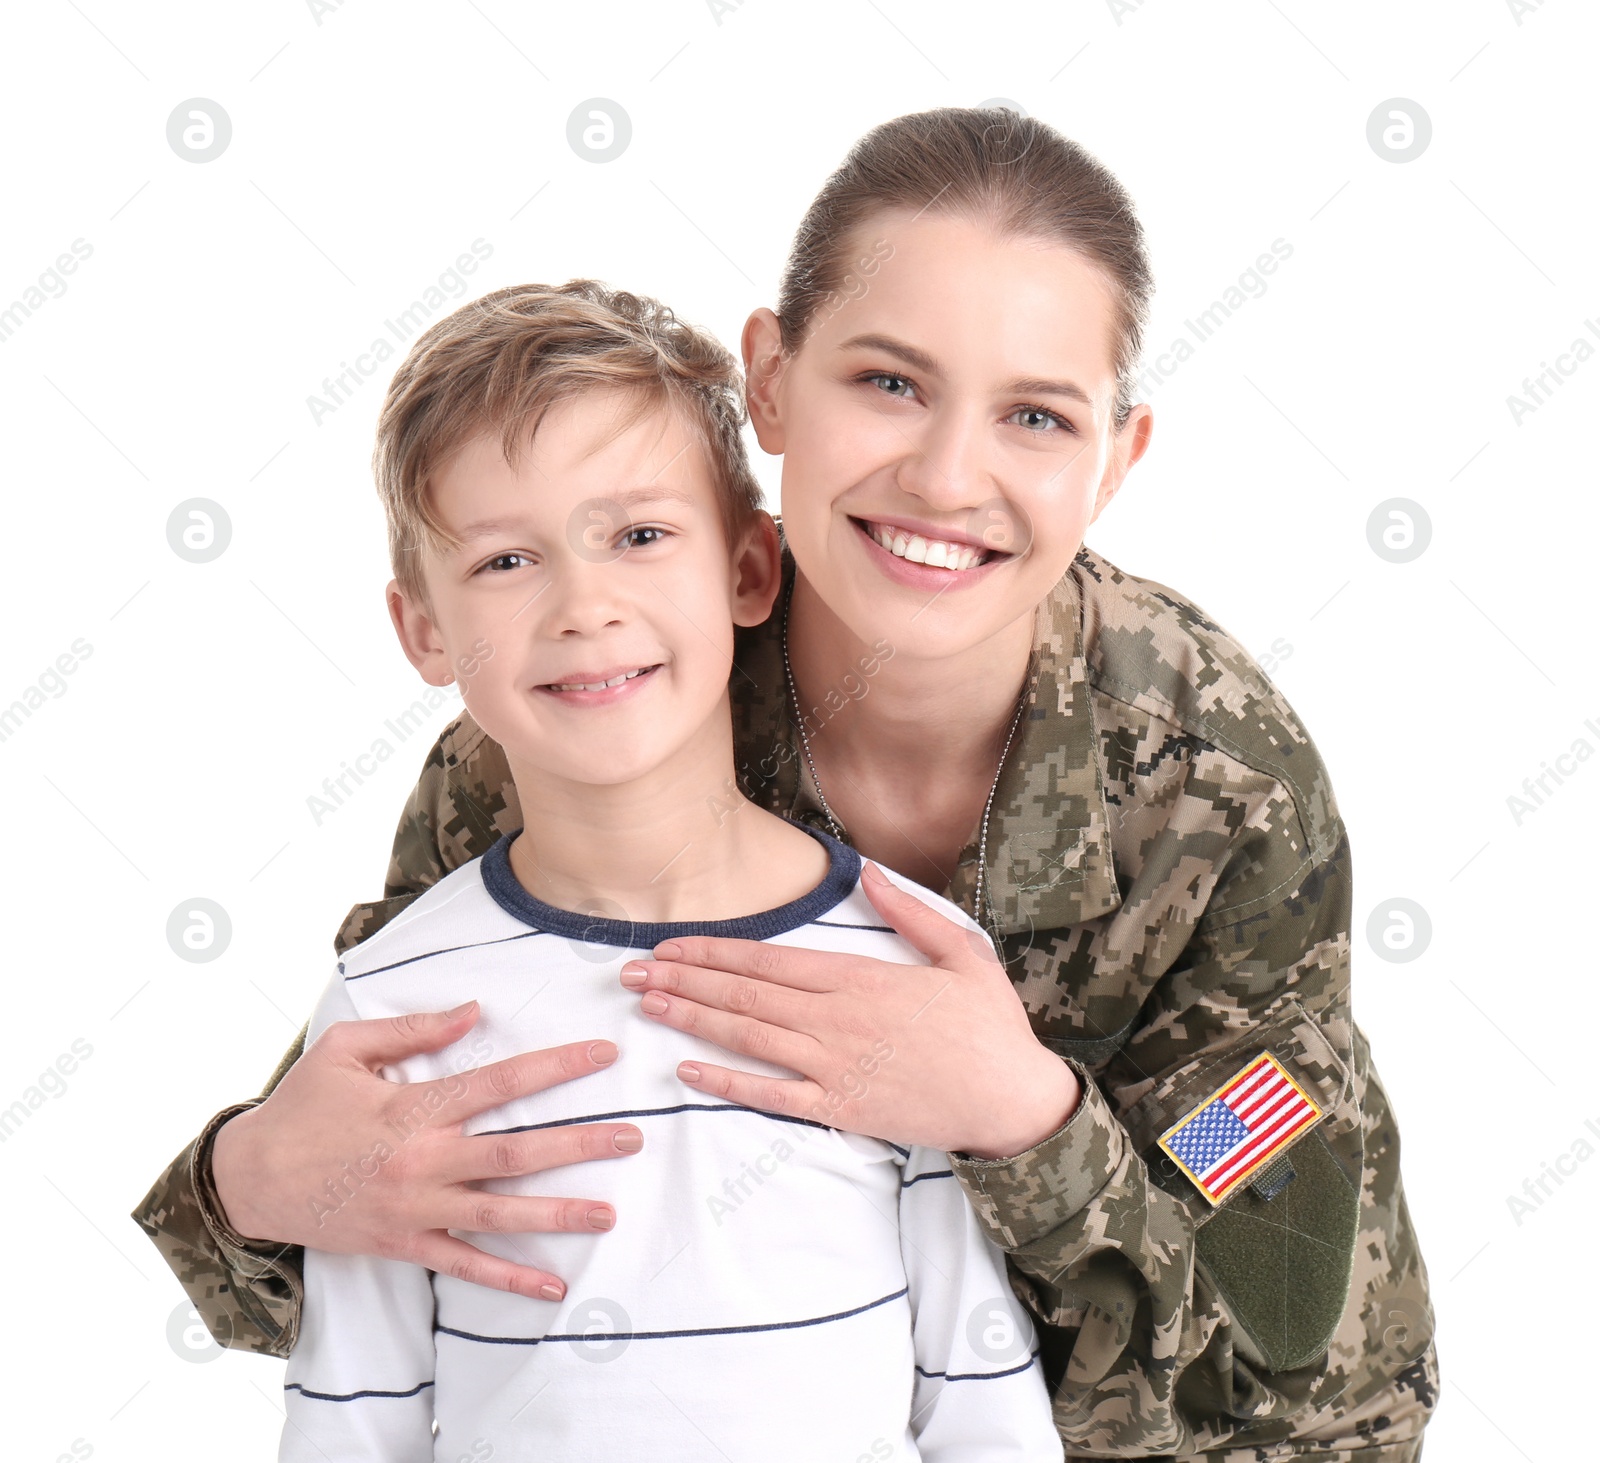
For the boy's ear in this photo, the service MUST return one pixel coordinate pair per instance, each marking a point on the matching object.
(757, 572)
(1127, 447)
(764, 362)
(419, 636)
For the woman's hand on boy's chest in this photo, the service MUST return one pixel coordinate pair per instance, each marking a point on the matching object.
(940, 1055)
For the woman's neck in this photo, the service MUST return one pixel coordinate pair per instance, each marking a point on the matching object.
(906, 763)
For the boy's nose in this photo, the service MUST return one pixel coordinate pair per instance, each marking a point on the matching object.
(584, 599)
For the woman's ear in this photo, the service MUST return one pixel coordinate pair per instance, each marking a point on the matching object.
(1127, 447)
(419, 636)
(757, 572)
(764, 362)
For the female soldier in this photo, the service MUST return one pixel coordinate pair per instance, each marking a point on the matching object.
(1081, 759)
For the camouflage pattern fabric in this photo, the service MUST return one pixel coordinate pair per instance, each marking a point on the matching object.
(1169, 885)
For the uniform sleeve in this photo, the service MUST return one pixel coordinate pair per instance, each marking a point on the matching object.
(248, 1293)
(1165, 1325)
(359, 1384)
(979, 1395)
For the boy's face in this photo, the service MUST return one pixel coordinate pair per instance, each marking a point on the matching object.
(599, 555)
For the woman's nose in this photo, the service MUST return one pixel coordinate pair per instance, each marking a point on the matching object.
(946, 463)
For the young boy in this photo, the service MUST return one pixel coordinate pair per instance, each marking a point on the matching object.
(575, 532)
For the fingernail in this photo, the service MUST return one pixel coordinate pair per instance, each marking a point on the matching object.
(873, 874)
(688, 1072)
(634, 976)
(655, 1003)
(629, 1140)
(460, 1010)
(600, 1219)
(671, 950)
(603, 1053)
(551, 1292)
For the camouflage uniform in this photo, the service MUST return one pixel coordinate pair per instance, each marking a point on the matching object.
(1168, 882)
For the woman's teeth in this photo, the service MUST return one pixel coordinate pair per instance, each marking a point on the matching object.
(598, 685)
(937, 552)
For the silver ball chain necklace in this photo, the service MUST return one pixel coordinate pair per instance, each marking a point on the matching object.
(834, 824)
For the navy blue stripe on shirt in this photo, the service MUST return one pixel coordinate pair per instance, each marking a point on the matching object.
(943, 1173)
(598, 1338)
(979, 1376)
(830, 924)
(448, 950)
(351, 1396)
(653, 1112)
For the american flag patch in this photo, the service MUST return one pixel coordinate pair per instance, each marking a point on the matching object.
(1250, 1119)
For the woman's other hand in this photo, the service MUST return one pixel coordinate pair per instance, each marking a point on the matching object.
(340, 1159)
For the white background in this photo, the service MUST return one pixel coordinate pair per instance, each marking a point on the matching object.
(370, 148)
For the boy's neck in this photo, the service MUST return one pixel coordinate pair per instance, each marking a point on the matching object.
(682, 844)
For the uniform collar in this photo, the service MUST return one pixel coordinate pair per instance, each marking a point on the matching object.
(1049, 846)
(1048, 854)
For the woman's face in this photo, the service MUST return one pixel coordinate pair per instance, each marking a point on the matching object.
(958, 411)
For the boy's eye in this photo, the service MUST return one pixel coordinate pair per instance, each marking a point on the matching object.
(892, 385)
(501, 563)
(635, 540)
(1037, 419)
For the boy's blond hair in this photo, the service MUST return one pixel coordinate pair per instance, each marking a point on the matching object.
(503, 361)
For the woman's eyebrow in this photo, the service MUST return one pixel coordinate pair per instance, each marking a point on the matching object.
(1021, 386)
(1036, 386)
(907, 353)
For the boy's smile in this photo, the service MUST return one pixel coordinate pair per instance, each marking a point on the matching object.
(598, 688)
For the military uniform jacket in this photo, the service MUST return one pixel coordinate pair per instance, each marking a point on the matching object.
(1168, 883)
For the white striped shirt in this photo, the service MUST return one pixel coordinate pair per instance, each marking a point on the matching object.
(774, 1289)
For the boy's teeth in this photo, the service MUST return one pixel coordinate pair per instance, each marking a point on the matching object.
(598, 685)
(939, 553)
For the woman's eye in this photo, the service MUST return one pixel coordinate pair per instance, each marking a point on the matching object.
(892, 385)
(1037, 419)
(634, 537)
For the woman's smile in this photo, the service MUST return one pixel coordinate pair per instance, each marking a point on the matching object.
(941, 548)
(923, 561)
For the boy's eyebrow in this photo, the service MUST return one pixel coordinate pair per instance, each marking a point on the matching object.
(629, 498)
(1021, 386)
(487, 528)
(653, 493)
